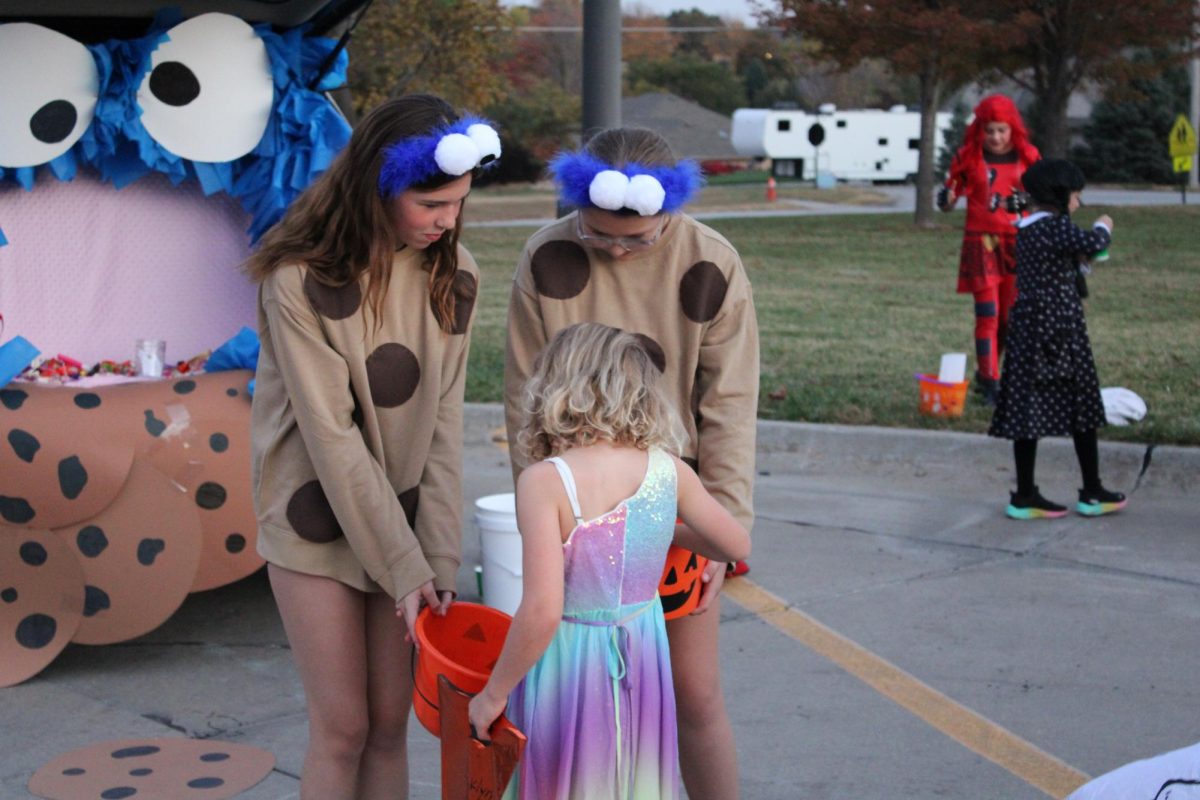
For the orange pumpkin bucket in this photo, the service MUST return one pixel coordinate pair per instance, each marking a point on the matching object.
(680, 585)
(463, 646)
(941, 399)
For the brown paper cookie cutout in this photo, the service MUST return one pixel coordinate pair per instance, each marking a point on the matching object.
(41, 601)
(153, 769)
(139, 557)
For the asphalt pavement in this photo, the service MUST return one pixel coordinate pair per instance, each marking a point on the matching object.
(896, 637)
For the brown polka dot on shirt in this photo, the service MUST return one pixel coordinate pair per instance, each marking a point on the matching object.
(333, 302)
(311, 516)
(560, 269)
(393, 373)
(702, 291)
(657, 355)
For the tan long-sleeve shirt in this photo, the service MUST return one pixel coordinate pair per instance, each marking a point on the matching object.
(688, 298)
(357, 428)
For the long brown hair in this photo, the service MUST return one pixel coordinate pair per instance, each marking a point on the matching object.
(340, 226)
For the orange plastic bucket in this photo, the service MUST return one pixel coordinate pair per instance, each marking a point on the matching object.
(680, 584)
(939, 399)
(463, 646)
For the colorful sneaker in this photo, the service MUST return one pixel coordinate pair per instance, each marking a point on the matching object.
(737, 568)
(1097, 502)
(1033, 506)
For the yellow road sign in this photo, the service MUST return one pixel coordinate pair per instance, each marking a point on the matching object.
(1183, 163)
(1182, 140)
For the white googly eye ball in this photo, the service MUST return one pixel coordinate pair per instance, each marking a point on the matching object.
(645, 195)
(48, 89)
(487, 140)
(456, 154)
(607, 190)
(209, 92)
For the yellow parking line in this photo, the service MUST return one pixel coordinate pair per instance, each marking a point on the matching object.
(1029, 763)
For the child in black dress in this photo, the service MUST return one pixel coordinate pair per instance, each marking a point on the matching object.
(1049, 385)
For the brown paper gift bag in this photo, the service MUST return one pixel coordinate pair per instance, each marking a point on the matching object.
(471, 769)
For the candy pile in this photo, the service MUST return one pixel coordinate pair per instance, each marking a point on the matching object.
(62, 369)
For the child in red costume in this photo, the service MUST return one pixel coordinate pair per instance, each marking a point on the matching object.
(987, 169)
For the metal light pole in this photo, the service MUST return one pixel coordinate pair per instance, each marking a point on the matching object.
(601, 65)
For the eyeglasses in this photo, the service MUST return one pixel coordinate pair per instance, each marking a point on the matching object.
(628, 243)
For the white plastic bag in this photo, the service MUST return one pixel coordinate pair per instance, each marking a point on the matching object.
(1122, 406)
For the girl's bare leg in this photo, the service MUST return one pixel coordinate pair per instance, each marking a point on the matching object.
(383, 774)
(707, 753)
(324, 622)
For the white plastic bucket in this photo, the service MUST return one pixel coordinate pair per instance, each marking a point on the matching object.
(496, 518)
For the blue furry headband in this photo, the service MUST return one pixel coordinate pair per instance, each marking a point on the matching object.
(587, 182)
(453, 149)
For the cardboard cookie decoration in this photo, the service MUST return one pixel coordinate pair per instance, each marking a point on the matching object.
(153, 769)
(54, 470)
(139, 557)
(196, 431)
(41, 601)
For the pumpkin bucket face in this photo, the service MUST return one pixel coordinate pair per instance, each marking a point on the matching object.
(680, 584)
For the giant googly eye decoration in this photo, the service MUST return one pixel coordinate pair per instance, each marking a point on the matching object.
(48, 88)
(209, 91)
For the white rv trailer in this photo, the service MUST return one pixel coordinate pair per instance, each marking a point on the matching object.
(858, 145)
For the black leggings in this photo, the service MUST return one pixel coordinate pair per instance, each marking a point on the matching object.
(1086, 450)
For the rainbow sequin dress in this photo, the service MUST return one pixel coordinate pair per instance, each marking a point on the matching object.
(599, 707)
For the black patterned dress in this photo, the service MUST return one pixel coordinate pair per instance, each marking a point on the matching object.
(1049, 385)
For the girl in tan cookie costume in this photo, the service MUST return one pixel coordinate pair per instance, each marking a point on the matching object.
(627, 258)
(365, 303)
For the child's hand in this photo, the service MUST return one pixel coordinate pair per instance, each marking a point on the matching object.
(409, 606)
(483, 711)
(1106, 221)
(710, 585)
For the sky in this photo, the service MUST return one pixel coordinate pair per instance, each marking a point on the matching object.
(735, 9)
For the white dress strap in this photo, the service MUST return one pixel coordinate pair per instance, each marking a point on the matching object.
(568, 479)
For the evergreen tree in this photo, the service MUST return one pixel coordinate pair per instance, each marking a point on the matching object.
(1125, 141)
(953, 139)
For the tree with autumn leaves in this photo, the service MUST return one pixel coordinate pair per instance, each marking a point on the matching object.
(1049, 46)
(937, 43)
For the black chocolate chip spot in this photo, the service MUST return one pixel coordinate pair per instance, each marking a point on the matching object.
(87, 400)
(72, 477)
(235, 543)
(133, 752)
(185, 386)
(148, 550)
(219, 442)
(210, 495)
(95, 600)
(24, 444)
(36, 631)
(33, 553)
(205, 783)
(12, 399)
(91, 540)
(16, 510)
(154, 425)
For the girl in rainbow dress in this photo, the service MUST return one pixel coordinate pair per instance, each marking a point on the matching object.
(585, 671)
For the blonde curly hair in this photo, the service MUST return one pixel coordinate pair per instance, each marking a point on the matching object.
(596, 383)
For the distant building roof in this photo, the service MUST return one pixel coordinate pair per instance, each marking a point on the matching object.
(691, 129)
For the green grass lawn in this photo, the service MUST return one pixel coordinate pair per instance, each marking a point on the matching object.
(849, 307)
